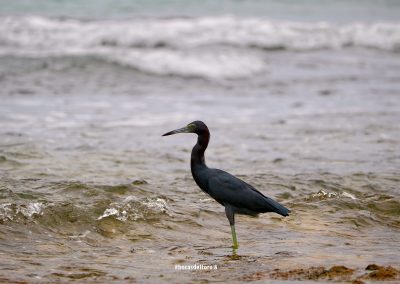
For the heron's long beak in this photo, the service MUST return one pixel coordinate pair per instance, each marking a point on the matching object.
(180, 130)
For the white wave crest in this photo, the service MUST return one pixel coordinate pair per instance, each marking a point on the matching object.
(324, 194)
(228, 65)
(9, 211)
(133, 208)
(219, 47)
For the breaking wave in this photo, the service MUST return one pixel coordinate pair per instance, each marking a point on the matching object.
(211, 48)
(12, 211)
(53, 214)
(132, 208)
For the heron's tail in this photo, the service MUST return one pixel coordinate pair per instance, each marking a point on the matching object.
(277, 207)
(283, 211)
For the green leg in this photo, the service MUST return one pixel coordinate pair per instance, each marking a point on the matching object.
(235, 242)
(230, 214)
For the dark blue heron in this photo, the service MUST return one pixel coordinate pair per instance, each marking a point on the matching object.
(231, 192)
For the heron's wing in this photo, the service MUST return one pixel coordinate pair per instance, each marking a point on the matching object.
(228, 189)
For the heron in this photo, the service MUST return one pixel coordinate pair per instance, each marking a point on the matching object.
(237, 196)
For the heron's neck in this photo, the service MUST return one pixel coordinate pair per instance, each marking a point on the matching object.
(197, 158)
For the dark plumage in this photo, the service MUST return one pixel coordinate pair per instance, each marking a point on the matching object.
(234, 194)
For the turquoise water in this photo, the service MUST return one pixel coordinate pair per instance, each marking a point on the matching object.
(306, 10)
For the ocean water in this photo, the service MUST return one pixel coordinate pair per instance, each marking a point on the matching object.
(302, 100)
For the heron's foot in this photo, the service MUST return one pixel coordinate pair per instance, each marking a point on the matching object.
(234, 255)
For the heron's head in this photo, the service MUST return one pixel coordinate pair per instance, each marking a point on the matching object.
(197, 127)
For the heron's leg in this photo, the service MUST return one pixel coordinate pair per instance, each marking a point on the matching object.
(230, 214)
(235, 243)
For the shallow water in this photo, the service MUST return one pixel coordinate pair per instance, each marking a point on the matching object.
(90, 191)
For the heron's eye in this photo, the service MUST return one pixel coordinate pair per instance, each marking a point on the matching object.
(191, 127)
